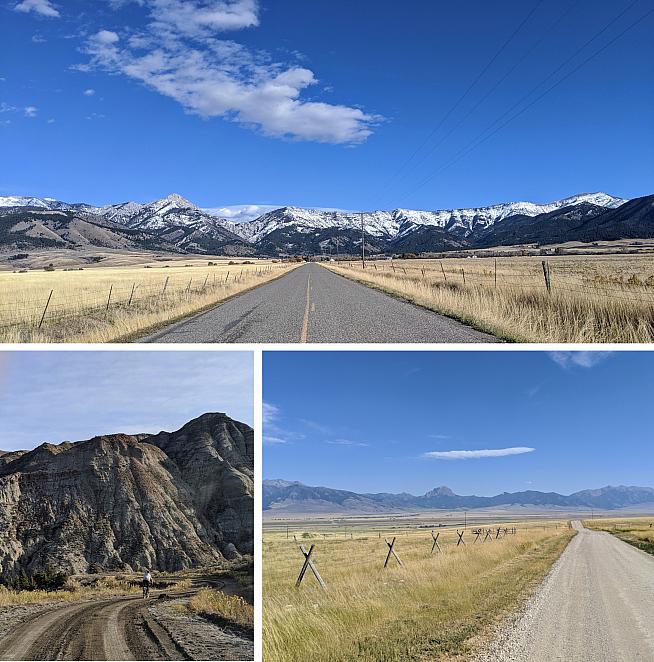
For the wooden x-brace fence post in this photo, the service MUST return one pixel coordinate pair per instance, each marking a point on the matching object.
(460, 541)
(391, 550)
(436, 544)
(308, 563)
(497, 535)
(488, 535)
(477, 533)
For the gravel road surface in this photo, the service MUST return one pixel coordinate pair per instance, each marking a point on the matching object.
(596, 605)
(120, 628)
(312, 304)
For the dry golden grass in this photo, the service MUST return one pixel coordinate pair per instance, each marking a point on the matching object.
(139, 298)
(637, 531)
(211, 603)
(105, 586)
(432, 608)
(594, 299)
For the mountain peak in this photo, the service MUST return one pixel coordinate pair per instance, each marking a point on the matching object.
(443, 490)
(177, 200)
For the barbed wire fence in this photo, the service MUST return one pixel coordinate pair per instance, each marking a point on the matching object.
(550, 281)
(61, 303)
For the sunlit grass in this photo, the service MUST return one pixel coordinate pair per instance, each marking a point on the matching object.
(593, 299)
(431, 608)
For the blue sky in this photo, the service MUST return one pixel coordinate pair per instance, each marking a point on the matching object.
(75, 395)
(323, 103)
(386, 421)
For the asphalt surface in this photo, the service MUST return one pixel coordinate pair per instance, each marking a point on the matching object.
(311, 304)
(597, 605)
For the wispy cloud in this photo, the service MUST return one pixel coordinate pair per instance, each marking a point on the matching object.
(579, 359)
(31, 111)
(270, 412)
(89, 93)
(274, 433)
(42, 7)
(347, 442)
(439, 436)
(180, 56)
(470, 455)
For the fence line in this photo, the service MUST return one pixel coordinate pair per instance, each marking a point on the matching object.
(36, 312)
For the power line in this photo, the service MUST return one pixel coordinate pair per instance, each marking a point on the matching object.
(534, 46)
(465, 94)
(480, 139)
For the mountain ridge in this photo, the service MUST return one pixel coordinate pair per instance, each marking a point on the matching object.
(293, 496)
(168, 501)
(176, 222)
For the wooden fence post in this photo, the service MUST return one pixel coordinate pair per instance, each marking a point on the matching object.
(131, 296)
(111, 287)
(463, 273)
(165, 286)
(496, 272)
(546, 274)
(308, 563)
(45, 310)
(391, 550)
(435, 545)
(443, 270)
(460, 541)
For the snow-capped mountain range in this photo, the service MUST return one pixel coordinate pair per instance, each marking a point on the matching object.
(300, 230)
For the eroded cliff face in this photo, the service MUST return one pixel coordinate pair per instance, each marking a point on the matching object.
(168, 501)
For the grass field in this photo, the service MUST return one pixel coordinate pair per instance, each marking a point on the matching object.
(103, 304)
(437, 606)
(593, 298)
(638, 531)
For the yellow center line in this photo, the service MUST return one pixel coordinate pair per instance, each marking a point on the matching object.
(305, 324)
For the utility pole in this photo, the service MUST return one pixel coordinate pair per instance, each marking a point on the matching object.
(363, 244)
(465, 519)
(337, 255)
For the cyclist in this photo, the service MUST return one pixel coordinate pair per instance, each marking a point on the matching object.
(147, 583)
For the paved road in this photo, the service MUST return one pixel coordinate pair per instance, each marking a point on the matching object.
(312, 304)
(597, 605)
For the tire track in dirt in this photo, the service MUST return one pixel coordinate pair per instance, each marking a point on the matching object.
(115, 629)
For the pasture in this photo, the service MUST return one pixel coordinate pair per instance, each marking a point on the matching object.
(637, 531)
(439, 604)
(115, 303)
(572, 298)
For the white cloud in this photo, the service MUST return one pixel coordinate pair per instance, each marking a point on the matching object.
(89, 93)
(270, 412)
(180, 57)
(347, 442)
(31, 111)
(468, 455)
(38, 39)
(42, 7)
(51, 120)
(192, 18)
(7, 108)
(241, 213)
(579, 359)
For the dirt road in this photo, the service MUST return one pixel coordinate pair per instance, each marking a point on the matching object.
(121, 628)
(597, 605)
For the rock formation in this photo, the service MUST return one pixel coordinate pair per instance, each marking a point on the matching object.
(168, 501)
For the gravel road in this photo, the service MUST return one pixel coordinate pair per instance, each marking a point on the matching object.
(596, 605)
(120, 628)
(312, 304)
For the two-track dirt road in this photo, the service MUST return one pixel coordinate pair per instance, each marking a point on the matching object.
(119, 628)
(312, 304)
(596, 605)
